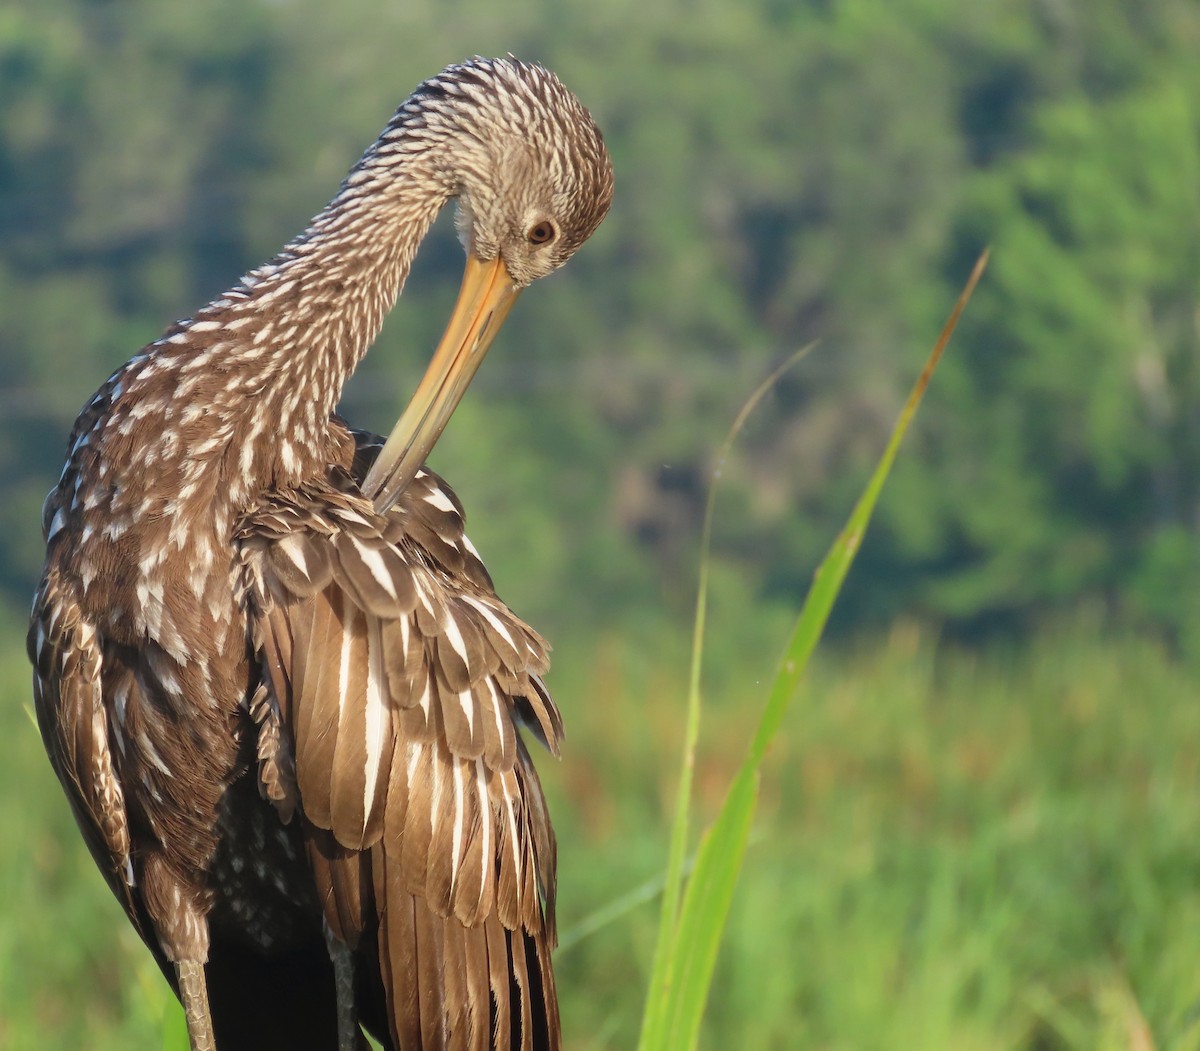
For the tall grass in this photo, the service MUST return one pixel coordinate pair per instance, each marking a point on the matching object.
(690, 931)
(953, 850)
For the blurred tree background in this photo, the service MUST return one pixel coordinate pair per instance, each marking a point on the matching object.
(788, 171)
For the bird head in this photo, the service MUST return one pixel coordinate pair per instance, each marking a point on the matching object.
(533, 180)
(534, 177)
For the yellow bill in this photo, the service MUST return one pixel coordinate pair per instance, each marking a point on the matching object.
(486, 297)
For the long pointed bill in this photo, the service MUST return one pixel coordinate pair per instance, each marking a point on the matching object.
(486, 297)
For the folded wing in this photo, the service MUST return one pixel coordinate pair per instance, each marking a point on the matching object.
(395, 682)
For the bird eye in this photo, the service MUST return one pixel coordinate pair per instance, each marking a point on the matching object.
(542, 233)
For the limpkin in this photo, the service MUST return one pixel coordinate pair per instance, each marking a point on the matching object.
(271, 671)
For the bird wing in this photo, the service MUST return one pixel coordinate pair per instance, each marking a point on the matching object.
(69, 702)
(394, 683)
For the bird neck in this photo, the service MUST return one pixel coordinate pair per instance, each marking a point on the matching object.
(252, 378)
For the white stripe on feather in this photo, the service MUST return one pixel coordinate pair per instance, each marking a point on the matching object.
(511, 817)
(456, 852)
(378, 718)
(485, 811)
(466, 701)
(457, 642)
(414, 758)
(466, 542)
(435, 805)
(118, 721)
(148, 749)
(497, 707)
(57, 525)
(346, 514)
(492, 619)
(423, 596)
(438, 499)
(291, 546)
(344, 668)
(373, 560)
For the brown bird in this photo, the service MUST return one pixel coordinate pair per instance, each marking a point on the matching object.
(271, 671)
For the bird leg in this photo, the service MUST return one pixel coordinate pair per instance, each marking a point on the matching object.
(193, 994)
(342, 957)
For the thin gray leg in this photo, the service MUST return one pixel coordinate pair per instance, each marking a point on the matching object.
(193, 992)
(349, 1038)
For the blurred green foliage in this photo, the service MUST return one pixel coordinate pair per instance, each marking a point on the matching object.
(983, 849)
(786, 172)
(953, 851)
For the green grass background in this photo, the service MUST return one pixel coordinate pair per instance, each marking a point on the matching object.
(955, 849)
(988, 848)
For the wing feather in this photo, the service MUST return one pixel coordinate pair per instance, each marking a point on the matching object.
(348, 773)
(380, 746)
(499, 978)
(520, 987)
(404, 661)
(344, 884)
(476, 967)
(403, 680)
(316, 712)
(473, 885)
(69, 702)
(457, 1009)
(464, 730)
(398, 951)
(424, 804)
(499, 735)
(302, 566)
(430, 976)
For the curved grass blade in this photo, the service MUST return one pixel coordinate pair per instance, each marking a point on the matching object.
(679, 988)
(664, 948)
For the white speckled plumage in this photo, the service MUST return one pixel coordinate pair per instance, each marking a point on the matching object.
(224, 614)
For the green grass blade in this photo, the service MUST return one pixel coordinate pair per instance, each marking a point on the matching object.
(665, 949)
(686, 953)
(827, 582)
(705, 911)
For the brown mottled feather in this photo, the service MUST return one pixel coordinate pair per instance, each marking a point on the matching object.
(430, 975)
(224, 618)
(404, 661)
(520, 974)
(428, 782)
(479, 995)
(344, 885)
(346, 770)
(69, 705)
(397, 952)
(316, 713)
